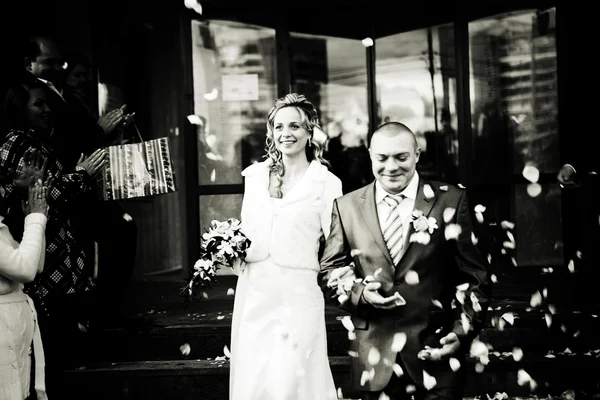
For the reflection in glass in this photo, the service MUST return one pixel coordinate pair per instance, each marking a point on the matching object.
(331, 73)
(416, 85)
(234, 68)
(538, 228)
(513, 95)
(219, 207)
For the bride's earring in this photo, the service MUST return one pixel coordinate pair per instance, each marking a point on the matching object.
(309, 142)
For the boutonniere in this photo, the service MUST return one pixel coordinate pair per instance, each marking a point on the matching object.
(421, 223)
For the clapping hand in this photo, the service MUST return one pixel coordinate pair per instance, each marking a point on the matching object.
(38, 197)
(32, 172)
(372, 296)
(94, 163)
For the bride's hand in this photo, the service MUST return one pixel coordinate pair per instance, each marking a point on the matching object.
(238, 266)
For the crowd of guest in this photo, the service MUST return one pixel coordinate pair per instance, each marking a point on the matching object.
(66, 257)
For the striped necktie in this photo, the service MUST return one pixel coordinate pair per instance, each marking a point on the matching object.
(393, 232)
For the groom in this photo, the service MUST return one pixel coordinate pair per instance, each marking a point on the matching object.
(413, 326)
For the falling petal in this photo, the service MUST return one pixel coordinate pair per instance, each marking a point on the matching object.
(454, 364)
(479, 368)
(494, 278)
(378, 271)
(548, 318)
(460, 185)
(347, 322)
(514, 261)
(428, 191)
(81, 327)
(531, 173)
(510, 236)
(517, 354)
(465, 322)
(462, 287)
(353, 354)
(545, 292)
(204, 295)
(374, 356)
(478, 348)
(479, 208)
(351, 335)
(571, 266)
(579, 255)
(479, 217)
(534, 189)
(444, 188)
(474, 239)
(508, 245)
(449, 214)
(185, 349)
(411, 389)
(412, 278)
(552, 308)
(399, 341)
(367, 42)
(437, 303)
(364, 378)
(428, 381)
(536, 299)
(489, 258)
(508, 317)
(398, 370)
(507, 225)
(230, 292)
(452, 231)
(226, 352)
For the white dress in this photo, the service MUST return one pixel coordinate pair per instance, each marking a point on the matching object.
(278, 341)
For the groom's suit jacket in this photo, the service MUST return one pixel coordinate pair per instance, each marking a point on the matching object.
(441, 266)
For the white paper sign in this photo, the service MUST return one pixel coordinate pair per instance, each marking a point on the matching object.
(240, 87)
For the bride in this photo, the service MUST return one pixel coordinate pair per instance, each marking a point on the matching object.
(278, 340)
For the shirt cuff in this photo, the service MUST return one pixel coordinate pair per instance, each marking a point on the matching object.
(36, 218)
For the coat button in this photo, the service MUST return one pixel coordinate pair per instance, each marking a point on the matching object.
(397, 282)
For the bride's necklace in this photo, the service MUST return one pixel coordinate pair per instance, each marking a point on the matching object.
(291, 182)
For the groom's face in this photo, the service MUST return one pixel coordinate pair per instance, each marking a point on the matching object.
(394, 159)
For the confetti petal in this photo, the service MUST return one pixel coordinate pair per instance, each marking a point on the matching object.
(226, 352)
(454, 364)
(185, 349)
(399, 341)
(230, 292)
(531, 173)
(517, 354)
(412, 278)
(374, 356)
(428, 191)
(444, 188)
(534, 189)
(452, 231)
(428, 381)
(479, 208)
(507, 225)
(398, 370)
(449, 214)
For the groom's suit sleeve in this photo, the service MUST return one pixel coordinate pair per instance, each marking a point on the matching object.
(472, 269)
(337, 255)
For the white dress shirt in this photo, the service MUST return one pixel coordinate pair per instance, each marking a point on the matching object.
(406, 206)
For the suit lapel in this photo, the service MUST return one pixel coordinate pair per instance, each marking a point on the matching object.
(369, 211)
(424, 204)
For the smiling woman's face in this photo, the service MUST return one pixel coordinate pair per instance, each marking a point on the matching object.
(38, 112)
(289, 133)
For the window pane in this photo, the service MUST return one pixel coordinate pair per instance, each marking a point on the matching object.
(234, 70)
(219, 207)
(416, 85)
(513, 95)
(331, 73)
(538, 226)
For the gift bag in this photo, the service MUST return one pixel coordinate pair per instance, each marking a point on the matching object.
(138, 170)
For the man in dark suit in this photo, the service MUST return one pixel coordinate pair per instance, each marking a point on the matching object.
(422, 287)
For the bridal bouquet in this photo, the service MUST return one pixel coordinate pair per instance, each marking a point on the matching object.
(223, 245)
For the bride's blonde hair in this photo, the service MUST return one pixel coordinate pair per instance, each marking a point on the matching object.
(310, 120)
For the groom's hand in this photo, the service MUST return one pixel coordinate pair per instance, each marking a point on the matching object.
(450, 345)
(372, 297)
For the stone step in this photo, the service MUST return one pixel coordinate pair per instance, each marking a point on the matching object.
(158, 335)
(208, 379)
